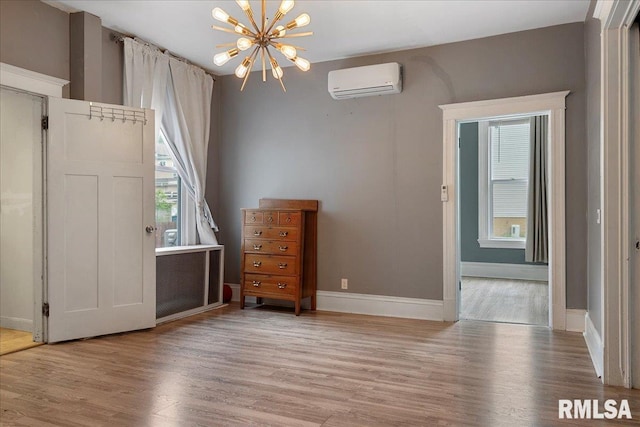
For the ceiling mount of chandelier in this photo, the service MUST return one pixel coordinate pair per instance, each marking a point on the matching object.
(261, 38)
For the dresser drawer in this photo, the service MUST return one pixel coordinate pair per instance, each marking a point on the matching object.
(270, 264)
(260, 217)
(270, 247)
(273, 233)
(260, 285)
(289, 218)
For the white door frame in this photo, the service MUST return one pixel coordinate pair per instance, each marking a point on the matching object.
(43, 85)
(616, 18)
(553, 104)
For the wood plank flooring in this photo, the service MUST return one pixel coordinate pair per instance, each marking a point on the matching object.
(505, 300)
(12, 340)
(263, 366)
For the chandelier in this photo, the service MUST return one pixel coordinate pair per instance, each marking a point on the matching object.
(261, 38)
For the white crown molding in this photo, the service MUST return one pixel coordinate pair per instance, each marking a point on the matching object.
(30, 81)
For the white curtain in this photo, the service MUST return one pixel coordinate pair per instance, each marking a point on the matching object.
(187, 129)
(146, 70)
(180, 94)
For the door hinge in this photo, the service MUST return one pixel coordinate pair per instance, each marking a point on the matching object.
(459, 284)
(45, 122)
(45, 309)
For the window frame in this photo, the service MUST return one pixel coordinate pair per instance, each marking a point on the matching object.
(485, 193)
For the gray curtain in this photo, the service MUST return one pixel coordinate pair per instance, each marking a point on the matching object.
(537, 247)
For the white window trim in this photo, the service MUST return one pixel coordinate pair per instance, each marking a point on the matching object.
(484, 229)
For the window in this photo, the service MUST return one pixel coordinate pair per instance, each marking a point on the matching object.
(503, 183)
(168, 197)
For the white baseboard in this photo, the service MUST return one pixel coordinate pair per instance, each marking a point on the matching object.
(575, 320)
(380, 305)
(594, 344)
(16, 323)
(505, 271)
(375, 305)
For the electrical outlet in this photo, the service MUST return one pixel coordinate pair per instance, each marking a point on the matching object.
(345, 284)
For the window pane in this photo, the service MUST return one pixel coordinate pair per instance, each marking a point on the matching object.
(509, 208)
(510, 150)
(509, 172)
(167, 198)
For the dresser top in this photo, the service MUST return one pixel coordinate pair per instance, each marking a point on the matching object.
(305, 205)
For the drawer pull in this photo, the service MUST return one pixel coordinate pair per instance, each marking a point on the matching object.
(284, 233)
(256, 283)
(257, 247)
(257, 263)
(281, 265)
(257, 233)
(270, 219)
(283, 248)
(282, 285)
(253, 218)
(288, 219)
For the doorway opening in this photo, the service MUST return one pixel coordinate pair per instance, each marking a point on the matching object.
(497, 167)
(21, 219)
(553, 106)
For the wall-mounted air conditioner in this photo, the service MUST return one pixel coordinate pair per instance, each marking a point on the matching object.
(381, 79)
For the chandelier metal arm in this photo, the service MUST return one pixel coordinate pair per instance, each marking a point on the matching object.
(252, 58)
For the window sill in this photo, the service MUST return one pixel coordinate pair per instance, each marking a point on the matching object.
(502, 243)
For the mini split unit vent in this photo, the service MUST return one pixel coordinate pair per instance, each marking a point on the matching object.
(381, 79)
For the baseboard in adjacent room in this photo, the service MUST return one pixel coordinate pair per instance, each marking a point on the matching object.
(16, 323)
(374, 305)
(505, 271)
(594, 344)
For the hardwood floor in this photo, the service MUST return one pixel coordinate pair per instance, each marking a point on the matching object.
(505, 300)
(12, 340)
(267, 367)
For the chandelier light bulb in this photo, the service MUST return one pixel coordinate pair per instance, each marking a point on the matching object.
(224, 57)
(279, 31)
(275, 69)
(220, 15)
(244, 4)
(242, 69)
(303, 20)
(289, 51)
(244, 43)
(241, 29)
(286, 6)
(302, 63)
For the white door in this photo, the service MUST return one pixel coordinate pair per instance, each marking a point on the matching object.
(634, 203)
(100, 200)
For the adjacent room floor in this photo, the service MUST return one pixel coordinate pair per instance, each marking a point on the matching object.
(12, 340)
(261, 366)
(505, 300)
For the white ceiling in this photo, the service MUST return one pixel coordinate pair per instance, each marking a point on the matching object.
(342, 28)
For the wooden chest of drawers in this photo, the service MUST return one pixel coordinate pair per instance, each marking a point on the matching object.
(279, 241)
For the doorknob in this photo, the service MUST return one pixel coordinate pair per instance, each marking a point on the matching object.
(150, 229)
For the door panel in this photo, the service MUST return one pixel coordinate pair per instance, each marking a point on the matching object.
(100, 190)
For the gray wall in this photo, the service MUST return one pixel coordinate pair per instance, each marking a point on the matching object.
(470, 249)
(592, 53)
(376, 163)
(35, 36)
